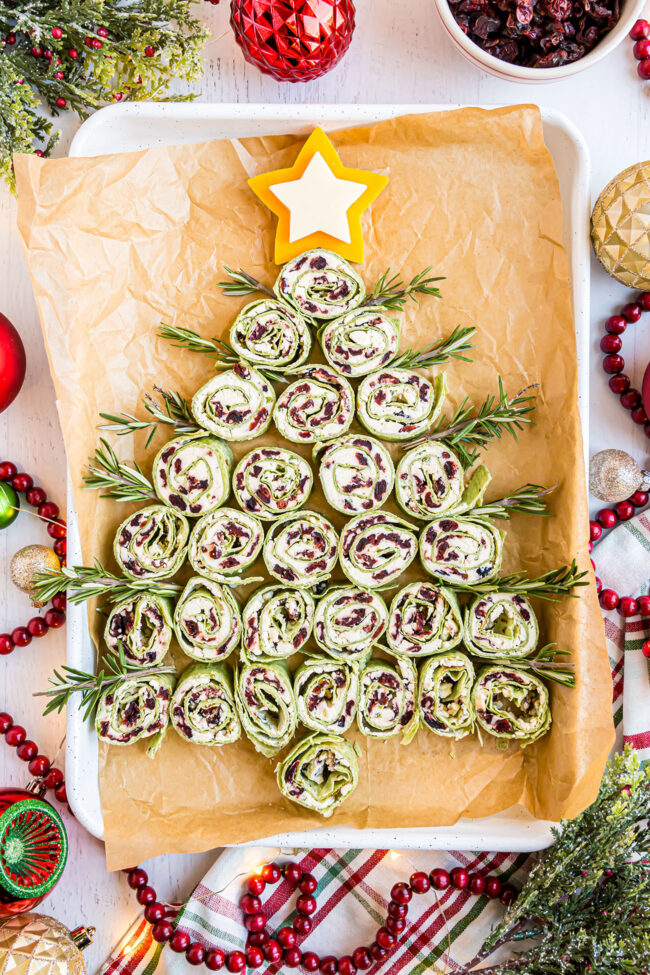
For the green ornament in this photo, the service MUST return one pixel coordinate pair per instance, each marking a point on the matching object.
(9, 505)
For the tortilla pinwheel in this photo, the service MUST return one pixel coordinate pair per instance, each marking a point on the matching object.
(430, 482)
(356, 473)
(326, 694)
(269, 334)
(266, 704)
(398, 404)
(151, 544)
(133, 709)
(320, 284)
(203, 706)
(424, 619)
(207, 621)
(387, 700)
(501, 625)
(445, 694)
(348, 621)
(301, 549)
(140, 627)
(511, 704)
(318, 406)
(319, 772)
(277, 622)
(236, 404)
(271, 481)
(224, 543)
(375, 549)
(191, 473)
(360, 342)
(463, 550)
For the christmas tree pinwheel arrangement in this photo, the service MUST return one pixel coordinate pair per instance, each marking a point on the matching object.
(203, 706)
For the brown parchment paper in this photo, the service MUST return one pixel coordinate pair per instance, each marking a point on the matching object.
(117, 244)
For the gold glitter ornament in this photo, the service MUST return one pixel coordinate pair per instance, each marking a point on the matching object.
(34, 944)
(27, 562)
(620, 227)
(614, 476)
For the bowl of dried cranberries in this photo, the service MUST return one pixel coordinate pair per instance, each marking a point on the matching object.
(537, 40)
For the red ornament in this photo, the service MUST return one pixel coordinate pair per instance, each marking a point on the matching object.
(293, 40)
(12, 363)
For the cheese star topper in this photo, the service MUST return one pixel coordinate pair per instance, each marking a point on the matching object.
(318, 201)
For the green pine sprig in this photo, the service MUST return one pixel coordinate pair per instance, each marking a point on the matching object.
(82, 582)
(528, 499)
(551, 585)
(391, 291)
(224, 355)
(436, 353)
(118, 481)
(173, 411)
(242, 283)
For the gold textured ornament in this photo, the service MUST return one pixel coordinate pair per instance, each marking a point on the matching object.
(27, 562)
(34, 944)
(620, 227)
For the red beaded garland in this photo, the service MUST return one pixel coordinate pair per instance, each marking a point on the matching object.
(611, 343)
(607, 518)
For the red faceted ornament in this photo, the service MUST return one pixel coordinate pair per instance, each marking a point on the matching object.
(293, 40)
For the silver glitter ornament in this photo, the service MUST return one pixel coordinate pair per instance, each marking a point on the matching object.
(614, 476)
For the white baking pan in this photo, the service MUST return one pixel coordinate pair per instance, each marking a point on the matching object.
(130, 127)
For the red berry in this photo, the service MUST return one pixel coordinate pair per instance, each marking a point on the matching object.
(27, 750)
(57, 529)
(615, 325)
(595, 531)
(302, 925)
(235, 961)
(10, 38)
(401, 893)
(6, 644)
(256, 886)
(329, 965)
(639, 415)
(255, 922)
(250, 904)
(476, 883)
(102, 32)
(54, 618)
(149, 51)
(6, 722)
(97, 44)
(60, 547)
(439, 878)
(180, 942)
(640, 498)
(22, 482)
(361, 958)
(137, 878)
(308, 883)
(271, 873)
(395, 924)
(60, 102)
(37, 52)
(53, 778)
(59, 601)
(37, 626)
(36, 496)
(292, 957)
(272, 950)
(145, 895)
(7, 470)
(292, 873)
(377, 952)
(21, 636)
(39, 766)
(645, 649)
(642, 49)
(643, 298)
(625, 510)
(611, 343)
(643, 602)
(640, 29)
(60, 793)
(613, 363)
(607, 517)
(627, 606)
(493, 887)
(59, 75)
(397, 910)
(117, 96)
(631, 312)
(508, 894)
(620, 383)
(57, 33)
(155, 912)
(286, 937)
(608, 599)
(459, 878)
(162, 931)
(49, 510)
(385, 939)
(310, 961)
(195, 954)
(214, 959)
(73, 53)
(419, 882)
(254, 957)
(15, 736)
(347, 966)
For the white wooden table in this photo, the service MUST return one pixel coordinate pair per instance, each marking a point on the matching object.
(399, 54)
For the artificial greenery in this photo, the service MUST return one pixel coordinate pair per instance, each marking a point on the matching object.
(81, 54)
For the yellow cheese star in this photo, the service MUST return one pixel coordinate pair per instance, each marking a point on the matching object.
(318, 201)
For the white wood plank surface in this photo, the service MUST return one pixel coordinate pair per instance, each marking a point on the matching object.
(399, 54)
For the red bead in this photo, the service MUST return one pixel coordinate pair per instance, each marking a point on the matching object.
(643, 602)
(643, 298)
(459, 878)
(214, 959)
(642, 49)
(22, 482)
(53, 778)
(37, 626)
(362, 958)
(146, 895)
(329, 965)
(643, 69)
(48, 510)
(640, 29)
(627, 606)
(235, 961)
(645, 649)
(292, 957)
(39, 766)
(611, 343)
(620, 383)
(162, 931)
(631, 312)
(57, 529)
(61, 547)
(271, 873)
(493, 887)
(310, 961)
(615, 325)
(395, 924)
(272, 950)
(54, 618)
(57, 33)
(607, 517)
(254, 957)
(27, 750)
(625, 510)
(508, 894)
(21, 636)
(97, 44)
(646, 429)
(308, 883)
(476, 883)
(302, 925)
(73, 53)
(250, 904)
(397, 910)
(419, 882)
(6, 722)
(149, 51)
(36, 496)
(599, 584)
(256, 886)
(292, 873)
(286, 937)
(180, 941)
(631, 399)
(306, 904)
(6, 644)
(195, 954)
(257, 938)
(639, 415)
(60, 793)
(439, 878)
(59, 75)
(347, 966)
(590, 547)
(102, 32)
(401, 893)
(15, 736)
(377, 952)
(137, 878)
(608, 599)
(36, 52)
(59, 601)
(639, 499)
(385, 939)
(613, 363)
(7, 470)
(255, 922)
(155, 912)
(10, 38)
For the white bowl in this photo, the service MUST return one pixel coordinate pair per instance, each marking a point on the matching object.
(631, 11)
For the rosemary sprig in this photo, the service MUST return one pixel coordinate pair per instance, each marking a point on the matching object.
(82, 582)
(527, 499)
(117, 480)
(391, 292)
(436, 353)
(544, 665)
(222, 353)
(242, 283)
(468, 431)
(552, 585)
(173, 411)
